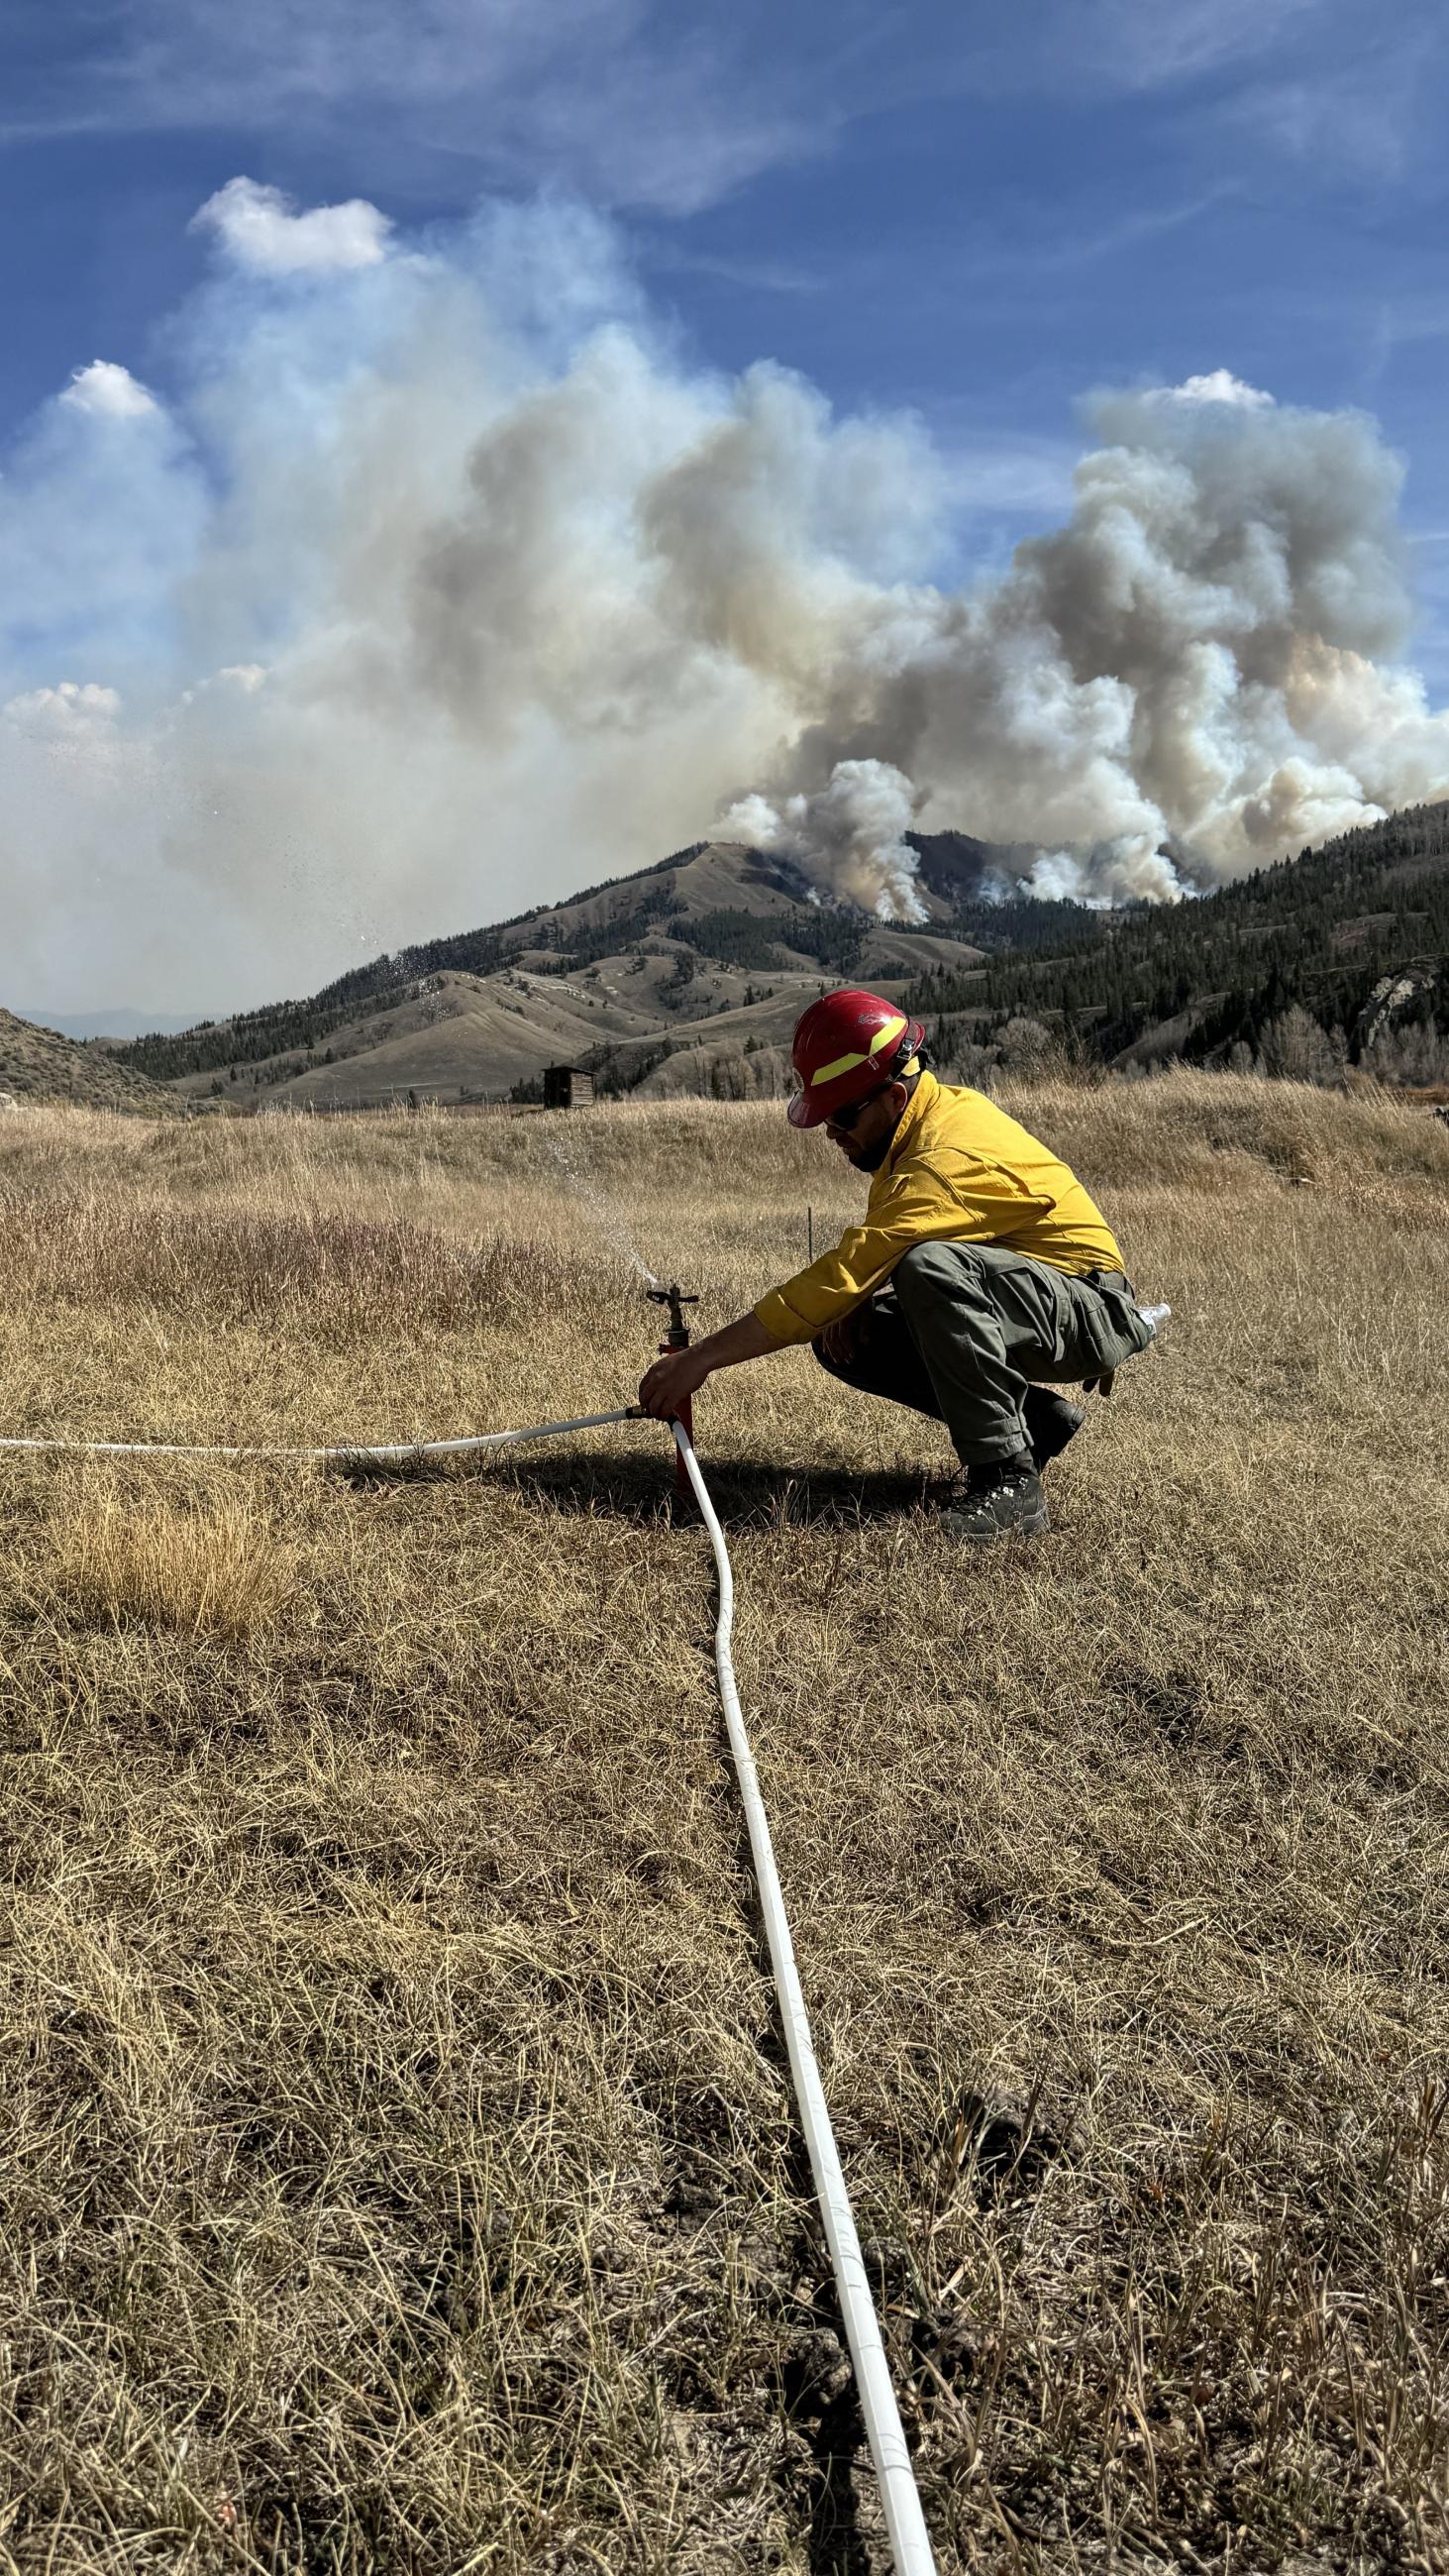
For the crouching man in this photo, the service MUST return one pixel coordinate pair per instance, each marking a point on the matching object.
(981, 1275)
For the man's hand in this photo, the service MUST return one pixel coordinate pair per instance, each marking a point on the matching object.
(679, 1373)
(672, 1380)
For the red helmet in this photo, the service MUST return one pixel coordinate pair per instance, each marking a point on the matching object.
(846, 1046)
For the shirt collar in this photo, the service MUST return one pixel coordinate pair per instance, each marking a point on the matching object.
(911, 1117)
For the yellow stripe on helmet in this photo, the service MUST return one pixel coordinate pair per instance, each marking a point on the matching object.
(841, 1064)
(847, 1063)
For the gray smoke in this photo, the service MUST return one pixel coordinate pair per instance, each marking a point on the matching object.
(441, 587)
(1186, 680)
(849, 836)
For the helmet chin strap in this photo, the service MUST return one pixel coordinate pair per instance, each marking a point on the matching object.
(874, 1155)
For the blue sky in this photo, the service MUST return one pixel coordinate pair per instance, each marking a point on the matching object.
(908, 203)
(977, 214)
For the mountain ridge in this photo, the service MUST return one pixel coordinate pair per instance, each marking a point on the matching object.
(38, 1064)
(117, 1026)
(717, 933)
(1330, 937)
(713, 951)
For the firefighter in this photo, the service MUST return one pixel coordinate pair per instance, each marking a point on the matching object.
(980, 1277)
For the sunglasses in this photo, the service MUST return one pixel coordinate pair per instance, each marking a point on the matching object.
(844, 1119)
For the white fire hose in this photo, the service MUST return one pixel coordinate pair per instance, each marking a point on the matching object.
(905, 2522)
(900, 2498)
(350, 1449)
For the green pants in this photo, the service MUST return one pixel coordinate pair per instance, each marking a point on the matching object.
(962, 1331)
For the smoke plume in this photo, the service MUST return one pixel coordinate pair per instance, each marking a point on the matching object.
(1186, 680)
(435, 584)
(849, 836)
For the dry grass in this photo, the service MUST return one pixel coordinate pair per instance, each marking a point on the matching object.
(210, 1566)
(399, 2172)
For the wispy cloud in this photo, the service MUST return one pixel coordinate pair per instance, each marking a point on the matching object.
(1126, 47)
(995, 473)
(1365, 116)
(1326, 85)
(1147, 44)
(762, 275)
(1049, 248)
(643, 104)
(613, 97)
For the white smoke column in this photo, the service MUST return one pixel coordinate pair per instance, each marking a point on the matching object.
(1186, 676)
(850, 838)
(263, 231)
(435, 585)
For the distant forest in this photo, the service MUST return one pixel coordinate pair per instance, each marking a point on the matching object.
(1282, 964)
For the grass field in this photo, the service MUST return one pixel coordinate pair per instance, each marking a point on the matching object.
(398, 2172)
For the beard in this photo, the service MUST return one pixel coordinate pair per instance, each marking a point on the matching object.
(869, 1158)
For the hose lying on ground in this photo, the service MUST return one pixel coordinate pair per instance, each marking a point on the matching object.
(359, 1450)
(905, 2522)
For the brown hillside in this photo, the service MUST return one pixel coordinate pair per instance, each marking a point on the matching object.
(556, 999)
(38, 1064)
(724, 876)
(456, 1033)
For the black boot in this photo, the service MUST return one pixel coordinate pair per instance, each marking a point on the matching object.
(1049, 1423)
(994, 1499)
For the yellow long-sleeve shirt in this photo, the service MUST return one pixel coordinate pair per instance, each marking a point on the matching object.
(958, 1171)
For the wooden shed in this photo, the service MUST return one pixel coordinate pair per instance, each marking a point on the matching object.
(567, 1086)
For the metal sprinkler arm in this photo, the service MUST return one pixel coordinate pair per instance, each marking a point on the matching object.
(676, 1301)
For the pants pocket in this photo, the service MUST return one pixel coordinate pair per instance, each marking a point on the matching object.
(1124, 1331)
